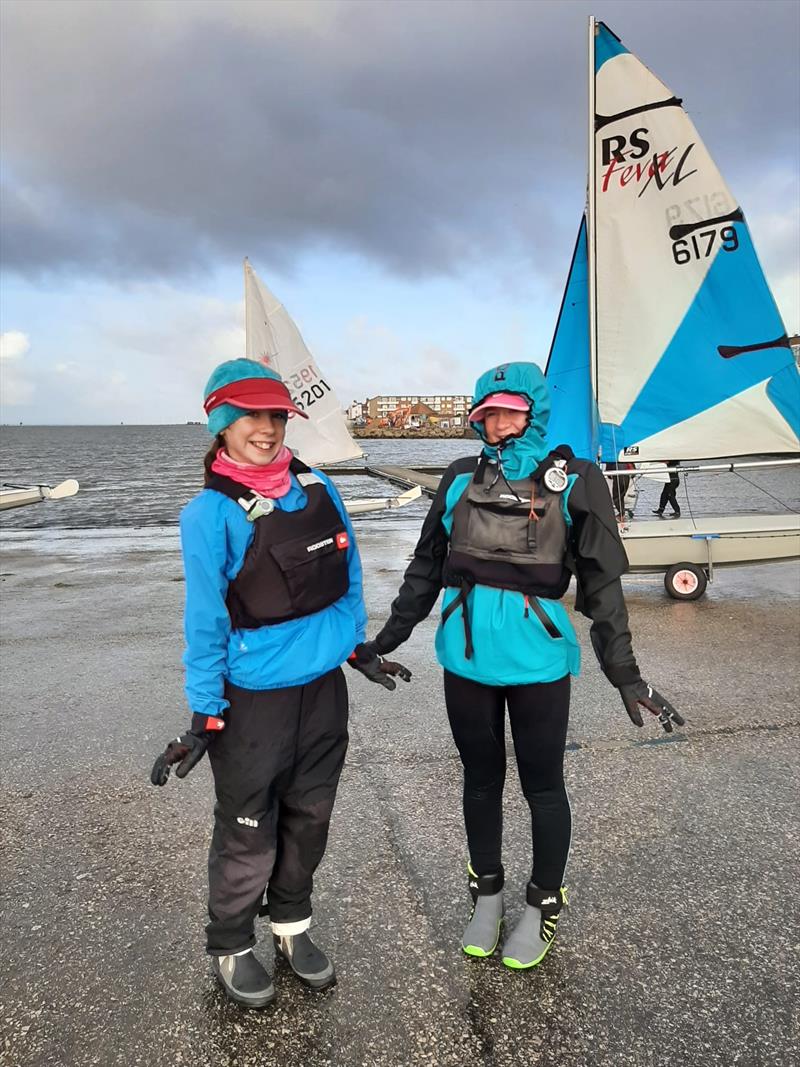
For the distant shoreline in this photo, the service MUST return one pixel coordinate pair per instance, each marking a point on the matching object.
(375, 432)
(386, 432)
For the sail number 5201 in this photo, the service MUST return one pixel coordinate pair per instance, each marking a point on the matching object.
(699, 245)
(310, 390)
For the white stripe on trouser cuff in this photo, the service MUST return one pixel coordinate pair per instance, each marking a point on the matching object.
(290, 929)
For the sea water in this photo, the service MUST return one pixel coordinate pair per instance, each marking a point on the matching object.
(135, 479)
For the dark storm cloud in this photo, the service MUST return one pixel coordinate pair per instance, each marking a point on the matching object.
(152, 139)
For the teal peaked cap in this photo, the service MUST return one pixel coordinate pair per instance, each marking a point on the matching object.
(233, 370)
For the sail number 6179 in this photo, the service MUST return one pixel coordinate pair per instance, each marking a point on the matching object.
(699, 245)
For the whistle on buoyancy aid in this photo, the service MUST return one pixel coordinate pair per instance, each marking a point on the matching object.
(555, 479)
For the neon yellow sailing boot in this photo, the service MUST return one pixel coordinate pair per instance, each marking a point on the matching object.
(534, 934)
(483, 929)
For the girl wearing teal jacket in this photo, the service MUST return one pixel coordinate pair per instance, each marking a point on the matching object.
(504, 535)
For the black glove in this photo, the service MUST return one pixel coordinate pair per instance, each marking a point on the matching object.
(641, 693)
(365, 658)
(186, 750)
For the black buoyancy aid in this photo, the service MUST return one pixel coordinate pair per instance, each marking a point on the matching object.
(509, 535)
(297, 561)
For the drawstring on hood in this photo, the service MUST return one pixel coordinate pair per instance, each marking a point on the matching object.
(520, 455)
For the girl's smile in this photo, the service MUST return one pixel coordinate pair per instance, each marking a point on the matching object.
(257, 437)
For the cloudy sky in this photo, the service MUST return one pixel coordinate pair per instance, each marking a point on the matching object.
(406, 176)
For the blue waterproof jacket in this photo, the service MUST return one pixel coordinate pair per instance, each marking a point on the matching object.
(510, 646)
(215, 537)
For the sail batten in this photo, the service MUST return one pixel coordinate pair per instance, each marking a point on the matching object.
(606, 120)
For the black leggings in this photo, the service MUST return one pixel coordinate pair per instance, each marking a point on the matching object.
(539, 714)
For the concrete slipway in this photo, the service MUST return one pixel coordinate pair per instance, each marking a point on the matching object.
(681, 944)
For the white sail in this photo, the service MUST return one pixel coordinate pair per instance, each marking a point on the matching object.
(691, 356)
(274, 340)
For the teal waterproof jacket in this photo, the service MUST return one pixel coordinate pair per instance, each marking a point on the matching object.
(511, 646)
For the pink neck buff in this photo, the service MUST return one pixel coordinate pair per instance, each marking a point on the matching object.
(272, 481)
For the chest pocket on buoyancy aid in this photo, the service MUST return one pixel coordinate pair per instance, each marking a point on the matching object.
(509, 535)
(296, 564)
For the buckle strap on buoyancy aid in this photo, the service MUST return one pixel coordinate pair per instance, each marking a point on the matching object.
(252, 502)
(542, 616)
(460, 600)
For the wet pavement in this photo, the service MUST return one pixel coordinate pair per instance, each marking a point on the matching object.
(680, 946)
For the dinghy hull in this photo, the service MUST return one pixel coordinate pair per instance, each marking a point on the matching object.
(716, 541)
(19, 498)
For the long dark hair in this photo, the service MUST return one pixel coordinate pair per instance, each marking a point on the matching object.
(210, 456)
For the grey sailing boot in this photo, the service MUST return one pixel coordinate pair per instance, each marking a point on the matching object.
(533, 936)
(244, 979)
(308, 962)
(483, 929)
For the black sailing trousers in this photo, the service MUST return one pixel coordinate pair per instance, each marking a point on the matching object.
(538, 715)
(276, 769)
(668, 493)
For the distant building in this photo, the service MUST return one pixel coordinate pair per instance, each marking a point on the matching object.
(356, 411)
(413, 417)
(794, 341)
(453, 407)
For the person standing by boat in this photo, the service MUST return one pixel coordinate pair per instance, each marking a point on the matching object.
(274, 606)
(668, 493)
(503, 536)
(619, 488)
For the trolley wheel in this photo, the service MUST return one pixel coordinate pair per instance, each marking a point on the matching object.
(685, 581)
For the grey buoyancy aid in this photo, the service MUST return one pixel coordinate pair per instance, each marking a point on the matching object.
(510, 535)
(297, 561)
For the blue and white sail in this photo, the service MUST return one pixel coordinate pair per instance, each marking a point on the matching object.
(573, 414)
(688, 354)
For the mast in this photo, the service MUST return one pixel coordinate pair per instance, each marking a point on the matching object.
(591, 245)
(246, 323)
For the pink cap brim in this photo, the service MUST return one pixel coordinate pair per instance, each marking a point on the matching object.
(510, 401)
(254, 394)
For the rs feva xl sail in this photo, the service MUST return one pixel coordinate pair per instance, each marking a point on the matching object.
(669, 343)
(274, 339)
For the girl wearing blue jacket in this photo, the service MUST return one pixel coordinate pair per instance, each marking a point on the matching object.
(504, 535)
(274, 606)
